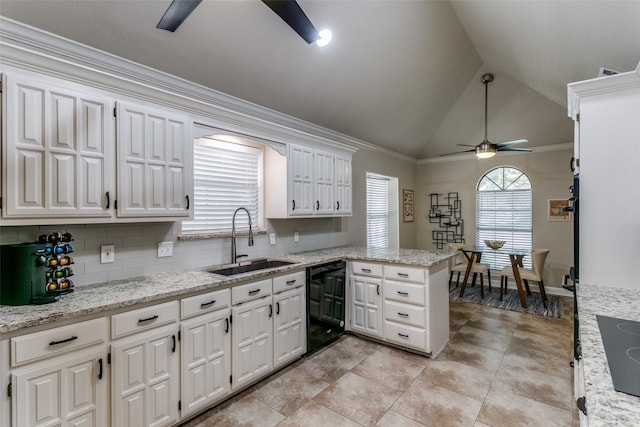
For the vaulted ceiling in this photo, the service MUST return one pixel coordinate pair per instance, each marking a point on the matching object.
(403, 75)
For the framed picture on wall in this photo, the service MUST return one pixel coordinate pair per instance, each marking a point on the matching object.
(407, 205)
(556, 210)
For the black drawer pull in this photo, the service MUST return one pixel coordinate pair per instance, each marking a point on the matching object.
(100, 368)
(403, 275)
(277, 308)
(406, 294)
(108, 199)
(378, 289)
(403, 314)
(366, 270)
(63, 341)
(255, 291)
(148, 319)
(207, 304)
(403, 335)
(291, 282)
(173, 346)
(226, 328)
(270, 311)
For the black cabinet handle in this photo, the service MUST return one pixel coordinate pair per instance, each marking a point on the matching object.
(378, 289)
(63, 341)
(173, 345)
(100, 368)
(403, 275)
(291, 282)
(277, 307)
(293, 208)
(338, 205)
(366, 270)
(255, 291)
(148, 319)
(403, 314)
(317, 205)
(188, 203)
(207, 304)
(403, 293)
(270, 310)
(108, 199)
(226, 328)
(403, 335)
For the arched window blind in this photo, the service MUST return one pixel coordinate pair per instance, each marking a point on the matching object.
(382, 211)
(503, 212)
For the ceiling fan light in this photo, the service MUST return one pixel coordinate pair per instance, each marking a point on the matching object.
(325, 38)
(485, 150)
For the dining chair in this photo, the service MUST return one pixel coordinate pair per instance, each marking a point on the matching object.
(458, 264)
(538, 257)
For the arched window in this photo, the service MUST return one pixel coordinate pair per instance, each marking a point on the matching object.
(503, 212)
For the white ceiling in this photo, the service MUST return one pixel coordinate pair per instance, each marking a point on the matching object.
(404, 75)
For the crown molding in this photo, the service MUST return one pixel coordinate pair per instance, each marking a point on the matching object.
(617, 82)
(471, 156)
(33, 49)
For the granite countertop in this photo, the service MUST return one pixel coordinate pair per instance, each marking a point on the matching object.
(605, 406)
(102, 297)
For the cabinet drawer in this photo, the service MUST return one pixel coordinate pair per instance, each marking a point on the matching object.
(251, 291)
(366, 269)
(205, 303)
(408, 336)
(143, 319)
(405, 274)
(405, 313)
(56, 341)
(404, 292)
(288, 281)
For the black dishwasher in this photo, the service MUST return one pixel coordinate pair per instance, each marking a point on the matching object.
(325, 303)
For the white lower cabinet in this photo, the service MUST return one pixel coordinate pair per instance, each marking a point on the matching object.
(145, 368)
(252, 337)
(60, 378)
(366, 305)
(206, 351)
(289, 326)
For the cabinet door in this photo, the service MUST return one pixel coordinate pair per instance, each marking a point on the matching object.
(59, 149)
(302, 200)
(145, 379)
(252, 341)
(324, 183)
(343, 186)
(70, 390)
(206, 360)
(366, 305)
(153, 170)
(289, 326)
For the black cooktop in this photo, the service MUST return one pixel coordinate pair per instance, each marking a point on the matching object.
(621, 339)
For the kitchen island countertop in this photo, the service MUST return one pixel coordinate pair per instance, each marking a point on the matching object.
(605, 406)
(102, 297)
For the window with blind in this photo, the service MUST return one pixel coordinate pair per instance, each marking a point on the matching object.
(504, 212)
(382, 211)
(226, 176)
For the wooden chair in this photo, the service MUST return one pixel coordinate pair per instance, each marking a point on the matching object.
(538, 257)
(458, 264)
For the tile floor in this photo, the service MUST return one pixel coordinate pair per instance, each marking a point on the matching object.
(500, 368)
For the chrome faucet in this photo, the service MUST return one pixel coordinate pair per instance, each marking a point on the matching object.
(234, 256)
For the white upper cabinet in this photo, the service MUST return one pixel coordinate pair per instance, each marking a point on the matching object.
(307, 183)
(153, 166)
(58, 149)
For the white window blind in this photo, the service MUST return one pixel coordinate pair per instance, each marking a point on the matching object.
(382, 211)
(226, 176)
(504, 212)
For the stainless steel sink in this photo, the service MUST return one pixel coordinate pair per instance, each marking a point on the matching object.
(247, 266)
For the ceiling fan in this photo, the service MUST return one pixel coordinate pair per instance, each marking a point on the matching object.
(289, 10)
(486, 148)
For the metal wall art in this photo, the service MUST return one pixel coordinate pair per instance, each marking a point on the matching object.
(448, 216)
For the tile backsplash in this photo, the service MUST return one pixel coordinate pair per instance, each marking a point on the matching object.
(136, 245)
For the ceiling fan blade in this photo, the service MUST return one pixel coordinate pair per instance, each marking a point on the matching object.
(526, 150)
(176, 13)
(291, 13)
(458, 152)
(517, 141)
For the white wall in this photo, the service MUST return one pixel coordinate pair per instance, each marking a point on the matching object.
(550, 179)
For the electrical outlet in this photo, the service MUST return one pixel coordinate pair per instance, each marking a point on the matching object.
(165, 249)
(107, 254)
(272, 238)
(296, 236)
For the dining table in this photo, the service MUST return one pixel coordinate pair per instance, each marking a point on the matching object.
(473, 253)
